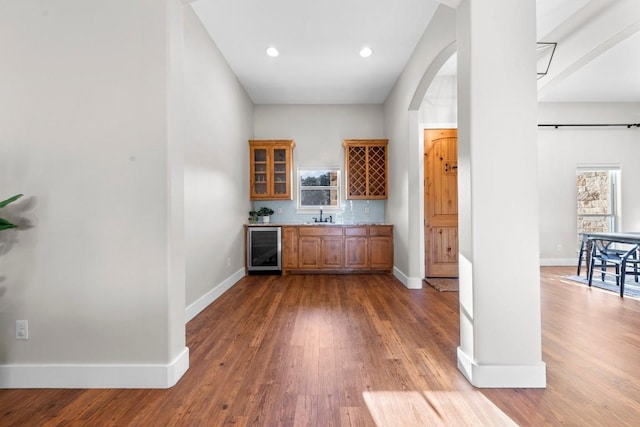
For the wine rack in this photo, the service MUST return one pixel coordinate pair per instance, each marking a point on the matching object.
(366, 168)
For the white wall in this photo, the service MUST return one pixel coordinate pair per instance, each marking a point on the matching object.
(318, 131)
(219, 122)
(84, 121)
(562, 150)
(406, 189)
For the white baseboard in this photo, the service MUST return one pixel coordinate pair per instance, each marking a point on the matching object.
(559, 262)
(502, 376)
(409, 282)
(112, 376)
(203, 302)
(95, 376)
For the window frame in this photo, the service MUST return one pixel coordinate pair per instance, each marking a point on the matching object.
(614, 199)
(336, 188)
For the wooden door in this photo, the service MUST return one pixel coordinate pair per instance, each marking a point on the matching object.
(441, 202)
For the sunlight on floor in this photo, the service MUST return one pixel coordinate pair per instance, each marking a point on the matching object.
(434, 408)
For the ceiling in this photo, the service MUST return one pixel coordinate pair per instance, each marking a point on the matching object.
(596, 58)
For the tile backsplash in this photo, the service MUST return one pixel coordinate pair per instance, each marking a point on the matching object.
(351, 211)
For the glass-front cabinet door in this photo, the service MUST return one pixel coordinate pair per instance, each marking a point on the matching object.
(259, 171)
(270, 169)
(281, 175)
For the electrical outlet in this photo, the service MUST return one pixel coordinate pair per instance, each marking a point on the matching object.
(366, 210)
(22, 329)
(228, 262)
(279, 211)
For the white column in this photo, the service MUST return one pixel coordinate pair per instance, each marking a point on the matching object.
(500, 327)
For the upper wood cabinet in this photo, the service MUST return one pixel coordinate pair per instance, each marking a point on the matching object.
(366, 168)
(270, 163)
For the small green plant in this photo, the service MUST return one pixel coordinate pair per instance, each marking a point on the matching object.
(254, 215)
(5, 224)
(264, 211)
(261, 212)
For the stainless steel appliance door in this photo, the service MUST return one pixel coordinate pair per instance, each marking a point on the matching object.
(264, 249)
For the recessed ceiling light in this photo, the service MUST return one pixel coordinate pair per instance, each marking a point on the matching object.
(366, 52)
(272, 52)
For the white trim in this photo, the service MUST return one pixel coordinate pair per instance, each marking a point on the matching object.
(453, 4)
(95, 376)
(559, 262)
(113, 375)
(308, 209)
(409, 282)
(203, 302)
(443, 125)
(502, 376)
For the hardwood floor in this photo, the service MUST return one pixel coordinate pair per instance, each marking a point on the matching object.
(362, 350)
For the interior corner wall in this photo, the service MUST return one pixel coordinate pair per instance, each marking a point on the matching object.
(401, 128)
(562, 150)
(84, 125)
(318, 130)
(218, 124)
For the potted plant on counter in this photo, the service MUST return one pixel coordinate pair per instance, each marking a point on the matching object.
(4, 223)
(265, 213)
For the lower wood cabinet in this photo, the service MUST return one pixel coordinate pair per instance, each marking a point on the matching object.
(381, 247)
(356, 248)
(320, 247)
(309, 255)
(289, 247)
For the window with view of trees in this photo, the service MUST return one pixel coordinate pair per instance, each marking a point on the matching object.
(318, 188)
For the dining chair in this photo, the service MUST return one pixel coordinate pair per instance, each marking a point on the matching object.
(582, 253)
(623, 260)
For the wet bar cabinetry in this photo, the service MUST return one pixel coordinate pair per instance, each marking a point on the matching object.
(289, 247)
(366, 168)
(356, 247)
(320, 247)
(270, 163)
(337, 248)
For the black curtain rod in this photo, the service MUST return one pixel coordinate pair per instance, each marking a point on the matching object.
(627, 125)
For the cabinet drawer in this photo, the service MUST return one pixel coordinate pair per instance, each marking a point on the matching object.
(381, 230)
(355, 231)
(320, 230)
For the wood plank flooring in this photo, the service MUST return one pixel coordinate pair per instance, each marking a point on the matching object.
(362, 350)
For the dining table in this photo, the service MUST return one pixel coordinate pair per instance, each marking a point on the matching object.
(624, 237)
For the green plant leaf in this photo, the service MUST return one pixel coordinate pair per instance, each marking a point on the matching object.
(10, 200)
(5, 225)
(264, 211)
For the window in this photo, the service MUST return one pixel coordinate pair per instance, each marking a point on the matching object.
(318, 188)
(598, 199)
